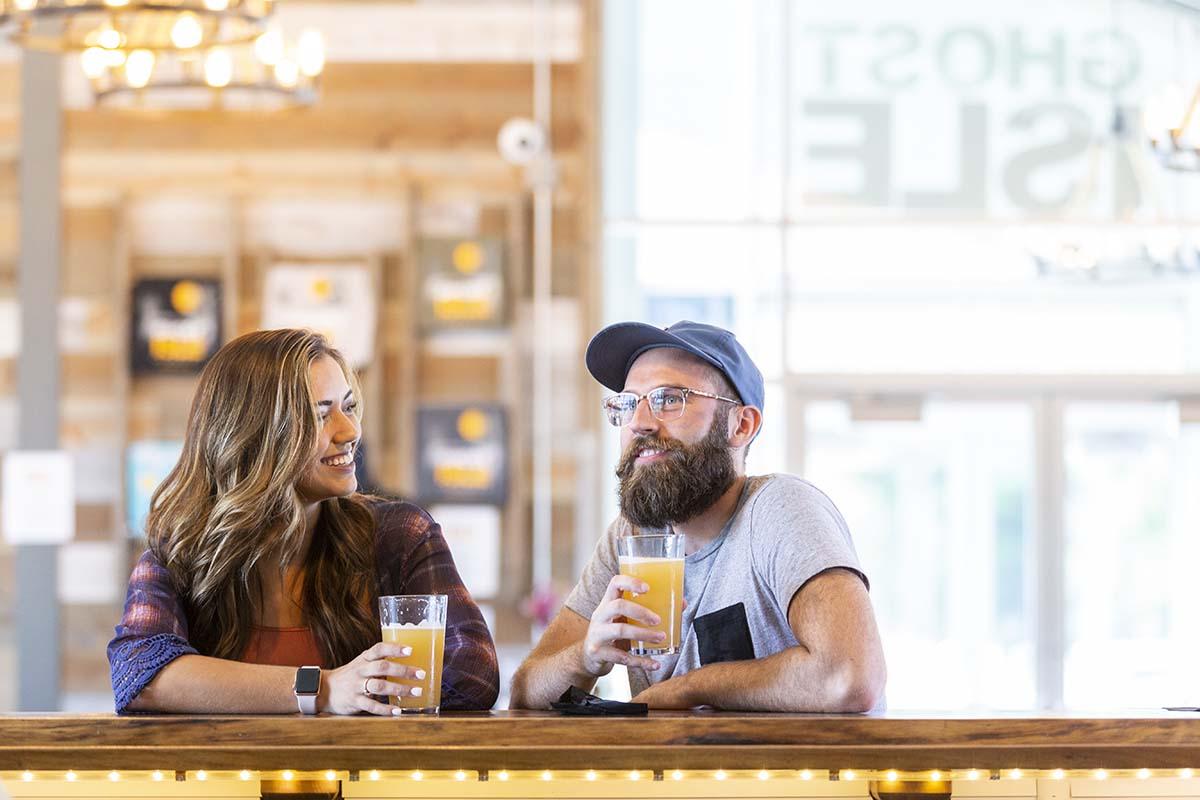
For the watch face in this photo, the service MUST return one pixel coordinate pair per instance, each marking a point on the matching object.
(308, 681)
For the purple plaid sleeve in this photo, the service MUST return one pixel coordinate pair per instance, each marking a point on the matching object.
(415, 559)
(152, 633)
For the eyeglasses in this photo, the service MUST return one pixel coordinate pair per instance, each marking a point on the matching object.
(665, 403)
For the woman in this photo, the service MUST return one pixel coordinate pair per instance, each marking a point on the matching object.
(262, 558)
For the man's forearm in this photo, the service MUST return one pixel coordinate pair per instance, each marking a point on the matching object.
(540, 681)
(791, 680)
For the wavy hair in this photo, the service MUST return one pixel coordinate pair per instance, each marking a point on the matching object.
(230, 506)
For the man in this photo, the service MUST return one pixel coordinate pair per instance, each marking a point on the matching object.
(776, 615)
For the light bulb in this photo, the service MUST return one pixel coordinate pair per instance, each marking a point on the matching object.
(848, 775)
(591, 775)
(935, 775)
(26, 5)
(1014, 774)
(216, 5)
(806, 775)
(218, 67)
(139, 66)
(288, 775)
(116, 3)
(287, 73)
(546, 776)
(1100, 774)
(244, 774)
(156, 775)
(71, 776)
(114, 776)
(676, 775)
(186, 33)
(634, 775)
(330, 775)
(94, 62)
(460, 776)
(720, 775)
(892, 775)
(973, 775)
(268, 47)
(1058, 774)
(763, 775)
(416, 776)
(1143, 773)
(27, 776)
(201, 775)
(109, 38)
(503, 775)
(310, 52)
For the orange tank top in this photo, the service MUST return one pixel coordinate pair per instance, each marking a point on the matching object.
(285, 647)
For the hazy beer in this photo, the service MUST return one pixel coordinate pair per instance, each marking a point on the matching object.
(657, 560)
(419, 622)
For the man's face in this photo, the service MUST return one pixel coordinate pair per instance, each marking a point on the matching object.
(673, 470)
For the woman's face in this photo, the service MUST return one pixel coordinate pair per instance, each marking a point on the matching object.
(332, 472)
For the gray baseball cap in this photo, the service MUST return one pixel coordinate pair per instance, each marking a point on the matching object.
(613, 350)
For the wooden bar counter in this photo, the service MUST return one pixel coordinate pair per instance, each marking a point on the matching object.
(545, 754)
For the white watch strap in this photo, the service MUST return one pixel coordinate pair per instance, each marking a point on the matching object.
(307, 703)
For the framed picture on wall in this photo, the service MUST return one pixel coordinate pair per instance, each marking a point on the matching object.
(176, 325)
(463, 454)
(462, 282)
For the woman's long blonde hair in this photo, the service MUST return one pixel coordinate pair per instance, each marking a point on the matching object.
(230, 507)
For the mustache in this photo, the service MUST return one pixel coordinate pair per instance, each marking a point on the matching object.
(629, 457)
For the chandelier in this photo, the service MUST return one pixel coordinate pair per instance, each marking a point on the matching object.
(1172, 122)
(268, 74)
(154, 25)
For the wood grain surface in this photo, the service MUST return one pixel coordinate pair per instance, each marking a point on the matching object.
(535, 740)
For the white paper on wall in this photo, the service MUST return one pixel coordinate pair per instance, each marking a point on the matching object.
(37, 497)
(473, 533)
(89, 573)
(336, 300)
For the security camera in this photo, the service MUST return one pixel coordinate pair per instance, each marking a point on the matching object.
(521, 140)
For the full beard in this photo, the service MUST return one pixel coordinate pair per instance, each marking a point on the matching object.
(681, 484)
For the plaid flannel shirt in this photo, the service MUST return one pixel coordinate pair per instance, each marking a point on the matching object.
(412, 557)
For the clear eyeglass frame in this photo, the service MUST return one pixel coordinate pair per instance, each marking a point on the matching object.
(665, 403)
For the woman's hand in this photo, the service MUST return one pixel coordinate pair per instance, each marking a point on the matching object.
(350, 689)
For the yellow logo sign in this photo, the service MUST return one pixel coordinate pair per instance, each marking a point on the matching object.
(467, 257)
(472, 425)
(186, 297)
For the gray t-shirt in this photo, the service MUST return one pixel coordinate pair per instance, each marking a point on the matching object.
(783, 532)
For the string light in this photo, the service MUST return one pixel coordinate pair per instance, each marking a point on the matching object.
(1058, 774)
(935, 775)
(374, 775)
(892, 775)
(591, 775)
(546, 776)
(763, 775)
(244, 774)
(288, 774)
(156, 775)
(1100, 774)
(71, 776)
(1143, 773)
(720, 775)
(806, 775)
(973, 775)
(1185, 773)
(417, 776)
(848, 775)
(114, 776)
(201, 775)
(1014, 774)
(460, 776)
(27, 776)
(502, 775)
(676, 775)
(634, 775)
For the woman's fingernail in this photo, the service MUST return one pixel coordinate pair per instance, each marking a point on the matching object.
(395, 712)
(420, 673)
(416, 691)
(406, 651)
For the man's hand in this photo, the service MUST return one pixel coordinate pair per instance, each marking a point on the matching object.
(600, 651)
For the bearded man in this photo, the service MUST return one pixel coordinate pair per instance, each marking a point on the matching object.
(776, 614)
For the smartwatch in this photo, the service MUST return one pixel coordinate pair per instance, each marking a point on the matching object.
(306, 689)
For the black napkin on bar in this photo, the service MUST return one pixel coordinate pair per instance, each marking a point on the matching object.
(578, 702)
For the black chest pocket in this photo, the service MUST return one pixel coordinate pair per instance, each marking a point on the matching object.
(724, 636)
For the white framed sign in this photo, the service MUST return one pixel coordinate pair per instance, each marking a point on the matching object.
(38, 497)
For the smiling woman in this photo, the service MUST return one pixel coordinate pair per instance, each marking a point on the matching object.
(264, 563)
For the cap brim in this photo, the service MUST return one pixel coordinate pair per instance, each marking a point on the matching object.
(613, 350)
